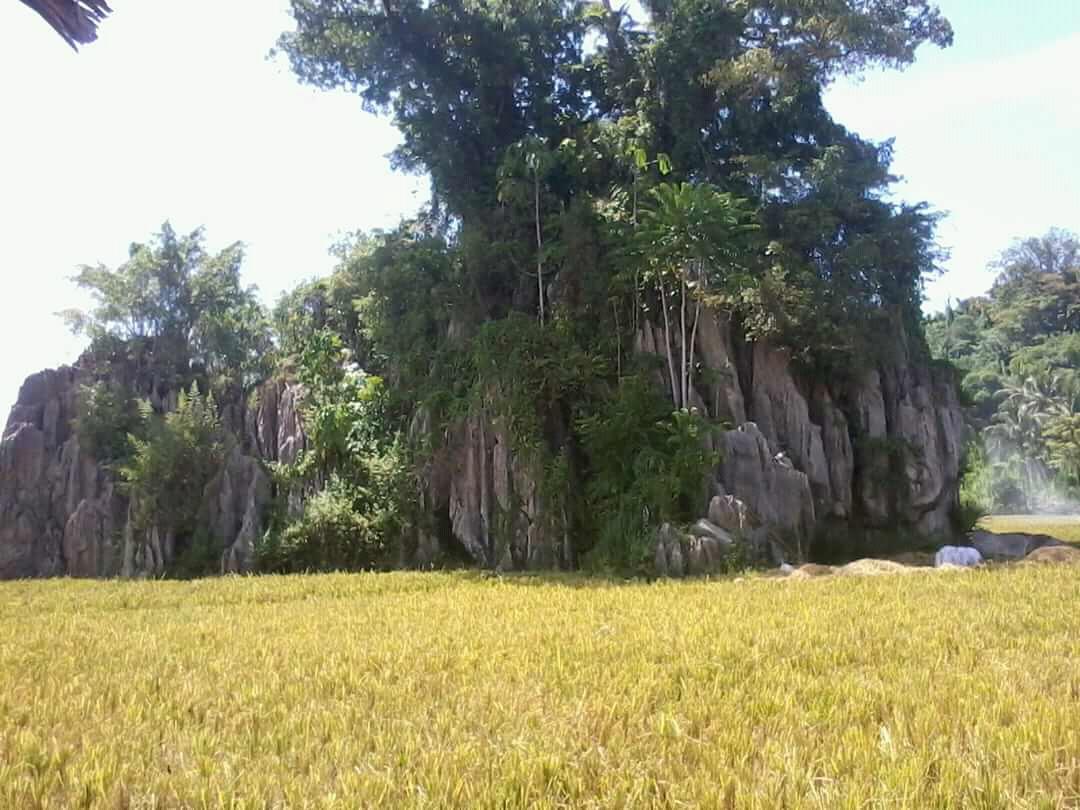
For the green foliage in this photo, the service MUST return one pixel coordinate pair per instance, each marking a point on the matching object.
(198, 557)
(333, 534)
(353, 468)
(976, 489)
(646, 465)
(183, 309)
(170, 468)
(523, 371)
(683, 225)
(106, 414)
(517, 120)
(1019, 350)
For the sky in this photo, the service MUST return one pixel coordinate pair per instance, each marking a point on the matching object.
(177, 113)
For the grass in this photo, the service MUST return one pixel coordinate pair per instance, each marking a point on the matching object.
(933, 690)
(1064, 527)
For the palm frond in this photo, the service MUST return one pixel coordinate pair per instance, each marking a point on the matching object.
(74, 20)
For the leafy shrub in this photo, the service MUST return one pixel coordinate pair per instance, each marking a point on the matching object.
(198, 558)
(105, 415)
(170, 468)
(976, 488)
(332, 534)
(647, 465)
(354, 463)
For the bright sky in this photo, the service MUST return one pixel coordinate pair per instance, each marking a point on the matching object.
(176, 113)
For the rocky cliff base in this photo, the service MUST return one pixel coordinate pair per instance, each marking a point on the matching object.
(808, 469)
(62, 513)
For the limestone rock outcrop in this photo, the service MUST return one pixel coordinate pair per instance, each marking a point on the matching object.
(62, 513)
(486, 501)
(703, 550)
(807, 467)
(843, 466)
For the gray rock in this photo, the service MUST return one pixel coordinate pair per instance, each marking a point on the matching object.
(776, 495)
(235, 505)
(676, 559)
(1013, 546)
(720, 391)
(492, 496)
(782, 413)
(61, 513)
(705, 529)
(697, 559)
(729, 513)
(668, 557)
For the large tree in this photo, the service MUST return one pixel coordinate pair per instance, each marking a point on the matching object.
(732, 92)
(181, 307)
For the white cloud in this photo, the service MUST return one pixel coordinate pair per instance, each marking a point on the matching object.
(992, 143)
(174, 113)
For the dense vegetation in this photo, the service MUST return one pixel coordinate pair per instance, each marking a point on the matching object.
(1019, 349)
(590, 173)
(453, 690)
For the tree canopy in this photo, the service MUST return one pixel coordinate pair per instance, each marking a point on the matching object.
(1019, 349)
(728, 94)
(186, 306)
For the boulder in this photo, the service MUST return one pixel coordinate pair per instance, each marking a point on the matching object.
(763, 546)
(704, 529)
(777, 496)
(1011, 546)
(703, 551)
(729, 513)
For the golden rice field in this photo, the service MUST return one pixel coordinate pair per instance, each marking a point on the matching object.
(932, 690)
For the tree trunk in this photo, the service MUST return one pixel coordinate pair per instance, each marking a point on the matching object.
(539, 245)
(618, 338)
(667, 341)
(693, 340)
(682, 337)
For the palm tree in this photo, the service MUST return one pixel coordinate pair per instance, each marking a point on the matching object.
(1035, 428)
(692, 237)
(74, 20)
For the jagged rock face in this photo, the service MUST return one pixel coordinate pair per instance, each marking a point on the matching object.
(806, 463)
(720, 389)
(40, 486)
(236, 502)
(849, 464)
(777, 494)
(803, 461)
(492, 499)
(61, 512)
